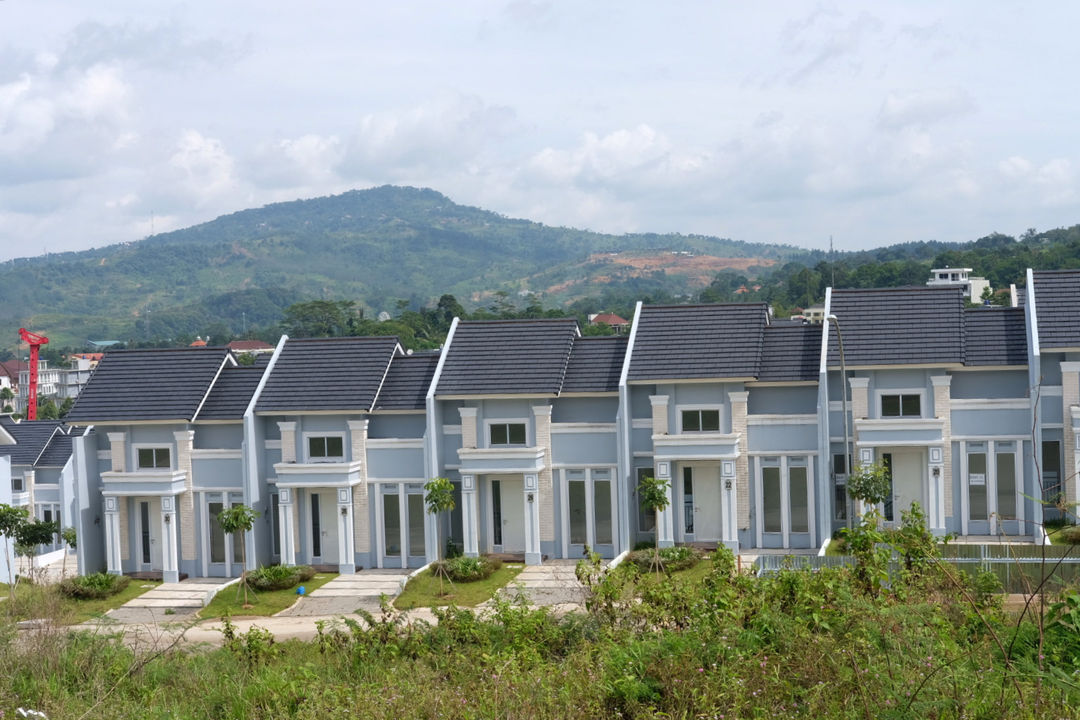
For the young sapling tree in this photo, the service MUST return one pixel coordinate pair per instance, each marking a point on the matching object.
(239, 519)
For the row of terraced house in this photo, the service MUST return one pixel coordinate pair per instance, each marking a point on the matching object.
(546, 434)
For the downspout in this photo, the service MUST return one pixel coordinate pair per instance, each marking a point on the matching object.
(625, 424)
(249, 457)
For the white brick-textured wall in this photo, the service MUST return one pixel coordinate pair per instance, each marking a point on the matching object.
(361, 536)
(860, 398)
(184, 441)
(544, 477)
(118, 453)
(660, 423)
(943, 410)
(288, 441)
(468, 427)
(29, 480)
(742, 463)
(358, 432)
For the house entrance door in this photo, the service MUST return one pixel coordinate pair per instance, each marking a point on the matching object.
(907, 472)
(508, 513)
(148, 534)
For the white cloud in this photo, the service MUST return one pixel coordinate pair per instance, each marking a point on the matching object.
(203, 169)
(924, 107)
(434, 136)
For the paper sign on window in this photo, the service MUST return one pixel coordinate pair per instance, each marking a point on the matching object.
(976, 479)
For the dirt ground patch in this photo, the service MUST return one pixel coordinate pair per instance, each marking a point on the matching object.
(699, 269)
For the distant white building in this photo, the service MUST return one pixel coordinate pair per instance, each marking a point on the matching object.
(58, 384)
(973, 286)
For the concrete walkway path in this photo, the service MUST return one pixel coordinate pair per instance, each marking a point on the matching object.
(346, 594)
(170, 602)
(551, 584)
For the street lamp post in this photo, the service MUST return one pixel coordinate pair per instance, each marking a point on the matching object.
(844, 394)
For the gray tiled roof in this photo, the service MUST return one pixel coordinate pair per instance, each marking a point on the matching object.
(520, 357)
(995, 336)
(58, 450)
(407, 383)
(684, 342)
(595, 364)
(1057, 299)
(31, 437)
(791, 353)
(229, 398)
(899, 326)
(314, 374)
(158, 384)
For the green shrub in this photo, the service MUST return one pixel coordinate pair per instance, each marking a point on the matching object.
(467, 569)
(94, 587)
(280, 577)
(1070, 534)
(678, 557)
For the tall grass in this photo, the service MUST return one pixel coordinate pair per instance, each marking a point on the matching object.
(797, 644)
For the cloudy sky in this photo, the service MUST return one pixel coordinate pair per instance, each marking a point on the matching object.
(777, 122)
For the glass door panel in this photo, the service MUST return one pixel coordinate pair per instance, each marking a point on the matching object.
(602, 511)
(977, 486)
(771, 499)
(416, 524)
(391, 525)
(800, 515)
(1006, 485)
(578, 529)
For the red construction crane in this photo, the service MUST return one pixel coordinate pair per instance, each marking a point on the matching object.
(35, 341)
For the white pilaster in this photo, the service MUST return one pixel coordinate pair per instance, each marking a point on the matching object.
(287, 521)
(469, 433)
(403, 533)
(170, 566)
(288, 441)
(532, 519)
(470, 522)
(346, 554)
(112, 536)
(730, 500)
(117, 451)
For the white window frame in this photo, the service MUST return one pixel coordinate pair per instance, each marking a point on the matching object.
(679, 409)
(507, 421)
(21, 480)
(921, 392)
(330, 459)
(136, 447)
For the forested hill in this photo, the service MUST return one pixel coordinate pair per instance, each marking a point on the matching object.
(389, 249)
(377, 247)
(999, 258)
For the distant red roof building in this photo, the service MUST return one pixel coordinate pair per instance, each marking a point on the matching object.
(199, 342)
(619, 324)
(250, 346)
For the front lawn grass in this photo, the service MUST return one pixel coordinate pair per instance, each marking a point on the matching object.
(35, 601)
(263, 602)
(423, 590)
(696, 572)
